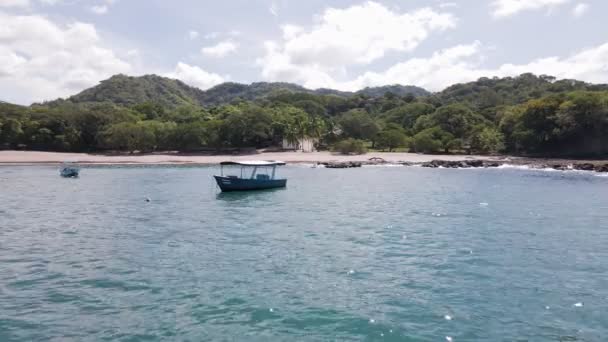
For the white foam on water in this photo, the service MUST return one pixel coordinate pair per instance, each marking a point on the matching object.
(302, 165)
(447, 317)
(547, 307)
(383, 165)
(372, 321)
(449, 339)
(351, 272)
(526, 167)
(483, 204)
(570, 169)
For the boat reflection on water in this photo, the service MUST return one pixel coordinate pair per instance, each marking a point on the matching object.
(237, 196)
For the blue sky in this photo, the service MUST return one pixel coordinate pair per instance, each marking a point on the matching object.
(55, 48)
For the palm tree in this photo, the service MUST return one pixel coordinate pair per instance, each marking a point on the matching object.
(292, 137)
(316, 127)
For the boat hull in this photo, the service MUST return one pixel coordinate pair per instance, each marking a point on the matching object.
(69, 172)
(227, 184)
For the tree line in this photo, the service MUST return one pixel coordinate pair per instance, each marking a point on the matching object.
(551, 120)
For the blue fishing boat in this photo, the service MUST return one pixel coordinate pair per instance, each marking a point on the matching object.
(69, 170)
(254, 175)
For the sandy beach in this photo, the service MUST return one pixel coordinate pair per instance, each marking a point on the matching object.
(36, 157)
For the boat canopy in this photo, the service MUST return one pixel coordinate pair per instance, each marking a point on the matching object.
(254, 163)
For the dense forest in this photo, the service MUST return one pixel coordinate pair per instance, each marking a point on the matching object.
(524, 115)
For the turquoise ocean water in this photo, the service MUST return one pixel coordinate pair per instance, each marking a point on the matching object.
(370, 254)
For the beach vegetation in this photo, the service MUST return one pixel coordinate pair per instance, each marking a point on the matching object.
(350, 146)
(524, 115)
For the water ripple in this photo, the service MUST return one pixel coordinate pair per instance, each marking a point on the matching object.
(381, 254)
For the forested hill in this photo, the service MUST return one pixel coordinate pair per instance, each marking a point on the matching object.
(127, 90)
(487, 93)
(526, 115)
(169, 93)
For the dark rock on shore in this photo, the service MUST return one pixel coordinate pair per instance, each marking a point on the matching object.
(601, 168)
(562, 165)
(584, 167)
(342, 165)
(451, 164)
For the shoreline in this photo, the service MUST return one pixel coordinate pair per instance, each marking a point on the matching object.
(326, 159)
(12, 157)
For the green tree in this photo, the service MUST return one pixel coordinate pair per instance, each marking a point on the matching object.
(313, 108)
(425, 142)
(435, 139)
(350, 146)
(456, 119)
(12, 132)
(407, 115)
(488, 140)
(150, 110)
(391, 138)
(129, 136)
(358, 124)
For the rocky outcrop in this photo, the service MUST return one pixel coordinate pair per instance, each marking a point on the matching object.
(452, 164)
(342, 165)
(477, 163)
(584, 166)
(601, 168)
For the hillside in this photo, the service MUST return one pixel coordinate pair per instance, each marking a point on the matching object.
(230, 91)
(491, 92)
(129, 90)
(397, 89)
(170, 93)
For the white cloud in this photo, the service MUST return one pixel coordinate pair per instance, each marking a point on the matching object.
(361, 34)
(589, 65)
(42, 60)
(193, 35)
(215, 35)
(100, 9)
(506, 8)
(97, 9)
(449, 66)
(580, 9)
(195, 76)
(448, 5)
(220, 49)
(274, 9)
(50, 2)
(133, 53)
(14, 3)
(357, 35)
(460, 63)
